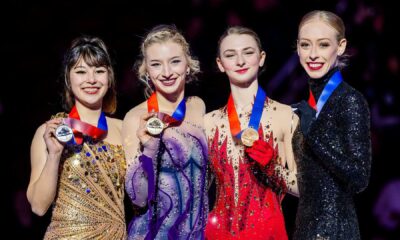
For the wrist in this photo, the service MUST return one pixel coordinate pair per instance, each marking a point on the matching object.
(150, 147)
(54, 156)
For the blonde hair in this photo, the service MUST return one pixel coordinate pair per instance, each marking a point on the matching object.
(162, 34)
(332, 20)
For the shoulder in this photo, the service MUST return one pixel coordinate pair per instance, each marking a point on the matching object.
(40, 130)
(136, 112)
(215, 115)
(115, 122)
(280, 108)
(197, 103)
(353, 98)
(283, 115)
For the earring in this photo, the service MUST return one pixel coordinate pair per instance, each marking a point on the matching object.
(188, 71)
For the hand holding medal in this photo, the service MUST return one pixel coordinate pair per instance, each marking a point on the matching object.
(155, 126)
(52, 144)
(72, 129)
(63, 132)
(159, 121)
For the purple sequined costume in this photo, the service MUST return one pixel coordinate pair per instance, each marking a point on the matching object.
(175, 179)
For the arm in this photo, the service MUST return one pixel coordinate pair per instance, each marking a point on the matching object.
(208, 125)
(279, 169)
(45, 159)
(289, 172)
(140, 151)
(351, 162)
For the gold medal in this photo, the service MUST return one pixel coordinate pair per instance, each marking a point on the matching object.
(154, 126)
(249, 135)
(64, 133)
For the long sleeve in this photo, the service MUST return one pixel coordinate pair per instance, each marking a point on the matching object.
(140, 182)
(344, 148)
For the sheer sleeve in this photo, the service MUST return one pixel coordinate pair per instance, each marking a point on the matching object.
(140, 182)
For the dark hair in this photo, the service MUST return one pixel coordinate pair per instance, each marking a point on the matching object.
(161, 34)
(94, 52)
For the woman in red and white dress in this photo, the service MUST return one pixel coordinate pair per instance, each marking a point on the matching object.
(250, 150)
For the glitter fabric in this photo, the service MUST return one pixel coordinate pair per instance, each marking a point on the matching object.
(333, 162)
(89, 202)
(246, 207)
(180, 206)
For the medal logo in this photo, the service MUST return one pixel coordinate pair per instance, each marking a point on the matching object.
(64, 133)
(154, 126)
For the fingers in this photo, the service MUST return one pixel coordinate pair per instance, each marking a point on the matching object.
(260, 152)
(147, 116)
(261, 158)
(142, 132)
(52, 144)
(51, 126)
(261, 145)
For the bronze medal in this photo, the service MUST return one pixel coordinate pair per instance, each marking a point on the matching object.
(64, 133)
(249, 135)
(154, 126)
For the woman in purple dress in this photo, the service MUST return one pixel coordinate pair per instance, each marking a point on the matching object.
(165, 144)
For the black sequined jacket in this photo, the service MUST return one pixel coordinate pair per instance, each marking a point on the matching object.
(333, 162)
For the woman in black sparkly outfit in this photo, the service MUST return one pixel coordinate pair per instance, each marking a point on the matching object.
(334, 149)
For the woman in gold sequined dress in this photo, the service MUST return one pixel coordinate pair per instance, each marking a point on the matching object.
(83, 179)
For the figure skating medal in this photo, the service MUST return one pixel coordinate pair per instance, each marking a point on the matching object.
(154, 126)
(64, 133)
(249, 135)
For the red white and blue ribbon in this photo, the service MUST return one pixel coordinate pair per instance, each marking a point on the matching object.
(177, 116)
(255, 117)
(82, 128)
(330, 86)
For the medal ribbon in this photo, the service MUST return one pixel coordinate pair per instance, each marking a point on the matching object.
(177, 116)
(255, 117)
(330, 86)
(82, 128)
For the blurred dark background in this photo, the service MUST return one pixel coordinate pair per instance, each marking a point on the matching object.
(35, 35)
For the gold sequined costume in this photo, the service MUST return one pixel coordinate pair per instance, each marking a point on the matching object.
(89, 202)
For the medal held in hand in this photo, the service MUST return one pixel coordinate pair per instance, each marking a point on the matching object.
(249, 135)
(64, 133)
(72, 130)
(155, 125)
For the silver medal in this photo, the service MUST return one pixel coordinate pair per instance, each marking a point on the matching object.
(154, 126)
(64, 133)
